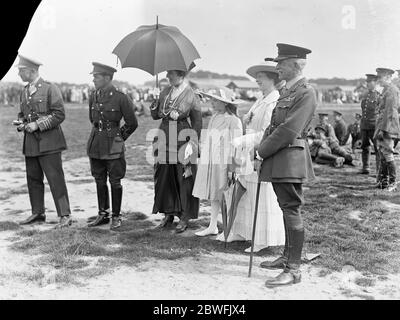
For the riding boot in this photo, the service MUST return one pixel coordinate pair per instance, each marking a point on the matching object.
(103, 198)
(116, 199)
(291, 274)
(103, 202)
(391, 168)
(365, 162)
(279, 263)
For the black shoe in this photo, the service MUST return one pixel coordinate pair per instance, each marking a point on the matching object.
(364, 171)
(34, 218)
(279, 263)
(166, 222)
(181, 227)
(100, 220)
(287, 277)
(116, 223)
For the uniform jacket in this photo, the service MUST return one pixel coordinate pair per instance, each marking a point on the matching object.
(45, 106)
(340, 128)
(106, 109)
(284, 148)
(388, 116)
(326, 144)
(188, 106)
(369, 110)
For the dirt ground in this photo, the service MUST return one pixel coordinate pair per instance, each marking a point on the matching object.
(217, 275)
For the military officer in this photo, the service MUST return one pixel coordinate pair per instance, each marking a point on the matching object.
(340, 128)
(387, 129)
(369, 110)
(42, 112)
(106, 148)
(285, 156)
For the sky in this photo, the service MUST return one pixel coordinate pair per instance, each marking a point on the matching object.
(348, 38)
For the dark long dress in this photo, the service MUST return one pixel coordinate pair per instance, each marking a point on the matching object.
(173, 191)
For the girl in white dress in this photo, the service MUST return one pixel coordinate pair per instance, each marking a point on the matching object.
(216, 157)
(270, 229)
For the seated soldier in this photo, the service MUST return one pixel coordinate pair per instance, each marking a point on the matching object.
(354, 130)
(327, 150)
(340, 128)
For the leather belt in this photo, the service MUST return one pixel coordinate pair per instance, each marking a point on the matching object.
(108, 125)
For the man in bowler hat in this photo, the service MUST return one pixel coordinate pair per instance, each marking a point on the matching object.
(106, 147)
(285, 156)
(42, 112)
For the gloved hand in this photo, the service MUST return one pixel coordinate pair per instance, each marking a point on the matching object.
(156, 93)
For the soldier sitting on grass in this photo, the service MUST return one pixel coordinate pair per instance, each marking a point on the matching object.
(325, 150)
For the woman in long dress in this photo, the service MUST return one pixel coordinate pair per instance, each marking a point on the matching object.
(180, 111)
(216, 160)
(270, 229)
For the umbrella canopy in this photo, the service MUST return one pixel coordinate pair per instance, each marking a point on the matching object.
(232, 195)
(156, 48)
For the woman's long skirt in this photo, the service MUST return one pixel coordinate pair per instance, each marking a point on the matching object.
(173, 192)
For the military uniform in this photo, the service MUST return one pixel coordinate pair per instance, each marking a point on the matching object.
(340, 129)
(287, 162)
(354, 130)
(42, 102)
(369, 110)
(387, 129)
(106, 147)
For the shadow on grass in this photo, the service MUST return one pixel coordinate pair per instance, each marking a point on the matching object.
(135, 242)
(9, 226)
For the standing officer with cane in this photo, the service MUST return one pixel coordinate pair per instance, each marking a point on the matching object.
(42, 112)
(106, 148)
(286, 160)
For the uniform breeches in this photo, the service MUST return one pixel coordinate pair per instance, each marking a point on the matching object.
(290, 199)
(51, 166)
(113, 169)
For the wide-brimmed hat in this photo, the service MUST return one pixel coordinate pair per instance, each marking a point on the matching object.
(223, 94)
(267, 66)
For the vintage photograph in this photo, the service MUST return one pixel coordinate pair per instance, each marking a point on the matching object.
(202, 150)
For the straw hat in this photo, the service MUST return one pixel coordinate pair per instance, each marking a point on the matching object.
(223, 94)
(267, 66)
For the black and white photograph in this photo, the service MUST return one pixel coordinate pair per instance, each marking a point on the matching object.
(200, 150)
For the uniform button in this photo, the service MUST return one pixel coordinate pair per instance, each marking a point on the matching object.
(110, 93)
(101, 104)
(101, 112)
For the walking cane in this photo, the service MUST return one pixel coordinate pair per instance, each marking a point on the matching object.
(255, 221)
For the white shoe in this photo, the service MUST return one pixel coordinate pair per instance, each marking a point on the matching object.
(207, 232)
(257, 248)
(231, 237)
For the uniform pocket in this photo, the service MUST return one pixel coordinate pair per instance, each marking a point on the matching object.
(40, 103)
(290, 162)
(117, 145)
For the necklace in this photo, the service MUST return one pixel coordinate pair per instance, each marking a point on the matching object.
(171, 104)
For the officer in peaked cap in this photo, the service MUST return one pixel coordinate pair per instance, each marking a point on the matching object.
(387, 129)
(286, 159)
(41, 114)
(369, 110)
(106, 148)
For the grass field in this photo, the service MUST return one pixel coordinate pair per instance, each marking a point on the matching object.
(346, 221)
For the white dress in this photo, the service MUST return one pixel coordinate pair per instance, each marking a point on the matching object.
(269, 229)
